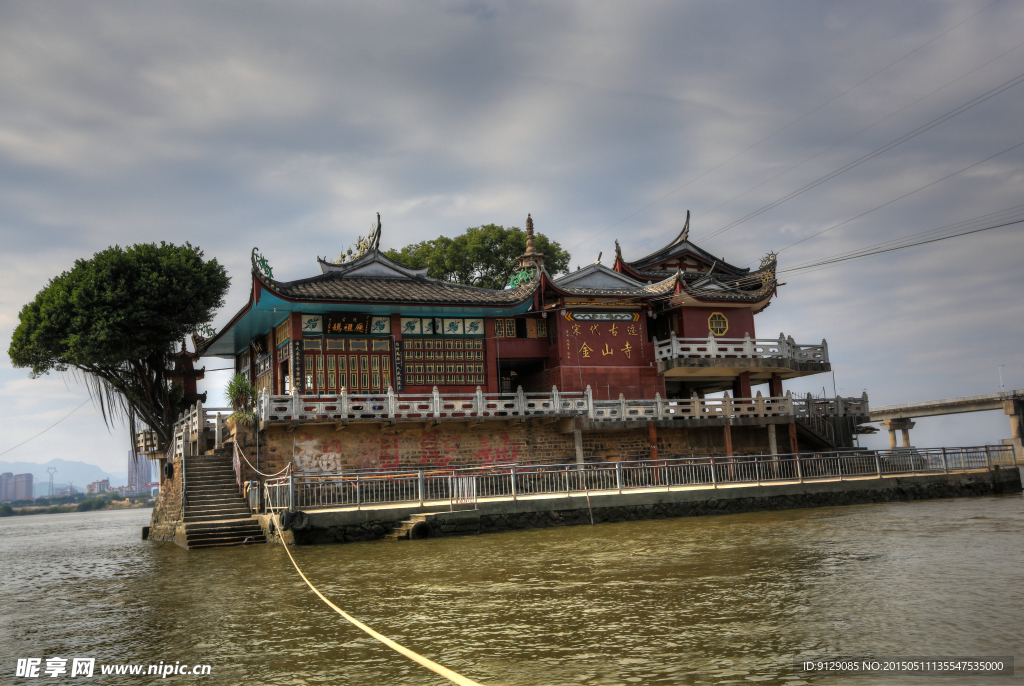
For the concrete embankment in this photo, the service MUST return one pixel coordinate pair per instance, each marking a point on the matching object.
(346, 525)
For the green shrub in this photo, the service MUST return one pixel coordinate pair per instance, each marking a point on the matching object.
(92, 504)
(6, 510)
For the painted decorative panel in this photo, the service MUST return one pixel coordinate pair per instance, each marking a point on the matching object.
(381, 325)
(411, 326)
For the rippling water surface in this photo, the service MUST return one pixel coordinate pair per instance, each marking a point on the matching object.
(728, 599)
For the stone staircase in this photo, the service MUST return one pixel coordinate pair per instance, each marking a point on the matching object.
(403, 531)
(216, 514)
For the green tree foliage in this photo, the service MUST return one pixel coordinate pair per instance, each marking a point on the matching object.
(483, 256)
(242, 396)
(115, 319)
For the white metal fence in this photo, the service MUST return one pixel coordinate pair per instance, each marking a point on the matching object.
(470, 485)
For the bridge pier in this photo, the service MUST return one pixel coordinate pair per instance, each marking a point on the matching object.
(1015, 409)
(903, 424)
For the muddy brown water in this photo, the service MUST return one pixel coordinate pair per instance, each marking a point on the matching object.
(709, 600)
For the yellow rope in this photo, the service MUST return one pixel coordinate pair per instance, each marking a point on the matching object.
(454, 677)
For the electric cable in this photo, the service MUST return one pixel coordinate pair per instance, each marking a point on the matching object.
(49, 427)
(778, 131)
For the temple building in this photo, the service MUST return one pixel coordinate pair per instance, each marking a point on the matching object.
(677, 323)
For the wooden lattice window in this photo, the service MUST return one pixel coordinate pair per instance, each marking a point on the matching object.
(718, 324)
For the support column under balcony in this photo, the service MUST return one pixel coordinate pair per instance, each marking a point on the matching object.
(741, 386)
(775, 386)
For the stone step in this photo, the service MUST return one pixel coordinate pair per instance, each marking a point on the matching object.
(211, 517)
(212, 502)
(221, 525)
(237, 510)
(228, 542)
(226, 533)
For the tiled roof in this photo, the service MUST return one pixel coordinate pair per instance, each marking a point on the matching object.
(334, 286)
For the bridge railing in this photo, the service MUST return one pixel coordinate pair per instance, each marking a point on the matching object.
(367, 489)
(782, 348)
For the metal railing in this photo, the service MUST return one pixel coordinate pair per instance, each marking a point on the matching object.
(470, 485)
(782, 348)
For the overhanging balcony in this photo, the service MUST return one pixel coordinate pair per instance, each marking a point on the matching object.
(720, 360)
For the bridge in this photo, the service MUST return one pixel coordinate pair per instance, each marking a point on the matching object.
(899, 417)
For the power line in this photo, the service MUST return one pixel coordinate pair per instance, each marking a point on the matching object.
(834, 145)
(827, 263)
(49, 427)
(921, 188)
(878, 151)
(778, 131)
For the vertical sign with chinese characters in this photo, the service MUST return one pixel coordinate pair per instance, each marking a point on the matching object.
(399, 368)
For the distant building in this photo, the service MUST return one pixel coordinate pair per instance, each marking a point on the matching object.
(138, 472)
(22, 487)
(7, 486)
(61, 491)
(98, 486)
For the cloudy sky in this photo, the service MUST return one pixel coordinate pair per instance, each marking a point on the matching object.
(287, 125)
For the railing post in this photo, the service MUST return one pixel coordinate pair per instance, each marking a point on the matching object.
(712, 346)
(556, 400)
(391, 403)
(521, 401)
(436, 401)
(988, 460)
(590, 402)
(618, 476)
(799, 471)
(783, 348)
(358, 499)
(659, 406)
(714, 478)
(421, 485)
(824, 350)
(839, 461)
(479, 402)
(291, 491)
(513, 475)
(878, 465)
(622, 407)
(759, 408)
(748, 346)
(566, 472)
(218, 432)
(674, 346)
(945, 466)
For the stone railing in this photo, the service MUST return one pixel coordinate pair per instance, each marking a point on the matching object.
(393, 407)
(746, 347)
(390, 406)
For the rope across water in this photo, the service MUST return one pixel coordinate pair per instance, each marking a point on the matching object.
(454, 677)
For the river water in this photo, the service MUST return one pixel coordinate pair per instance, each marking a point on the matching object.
(710, 600)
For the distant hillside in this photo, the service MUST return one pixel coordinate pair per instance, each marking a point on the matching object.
(77, 473)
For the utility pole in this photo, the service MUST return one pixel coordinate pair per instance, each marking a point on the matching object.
(51, 471)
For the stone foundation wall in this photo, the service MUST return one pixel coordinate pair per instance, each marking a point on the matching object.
(167, 511)
(320, 447)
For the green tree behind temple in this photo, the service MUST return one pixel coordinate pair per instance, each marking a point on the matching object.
(483, 256)
(114, 320)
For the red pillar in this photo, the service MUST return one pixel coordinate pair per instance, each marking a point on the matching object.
(652, 432)
(775, 386)
(794, 447)
(741, 386)
(728, 439)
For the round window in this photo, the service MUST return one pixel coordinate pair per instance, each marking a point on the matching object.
(718, 324)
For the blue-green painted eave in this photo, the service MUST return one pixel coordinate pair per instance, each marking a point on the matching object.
(271, 310)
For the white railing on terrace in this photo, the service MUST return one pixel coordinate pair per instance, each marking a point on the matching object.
(746, 347)
(360, 489)
(390, 406)
(480, 405)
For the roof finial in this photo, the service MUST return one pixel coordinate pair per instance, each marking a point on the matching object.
(531, 248)
(531, 259)
(375, 236)
(618, 250)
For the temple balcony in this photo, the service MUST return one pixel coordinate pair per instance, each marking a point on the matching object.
(715, 361)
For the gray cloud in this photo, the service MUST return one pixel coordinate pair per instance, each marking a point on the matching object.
(286, 126)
